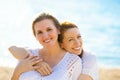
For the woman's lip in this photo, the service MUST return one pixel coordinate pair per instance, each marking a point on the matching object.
(78, 48)
(46, 41)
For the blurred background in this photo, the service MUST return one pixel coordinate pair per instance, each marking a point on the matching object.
(98, 20)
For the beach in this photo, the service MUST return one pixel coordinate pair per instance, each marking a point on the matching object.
(109, 74)
(6, 73)
(104, 73)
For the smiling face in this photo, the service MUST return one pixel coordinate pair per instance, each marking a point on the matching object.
(46, 32)
(72, 41)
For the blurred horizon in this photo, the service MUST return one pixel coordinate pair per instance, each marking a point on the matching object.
(98, 21)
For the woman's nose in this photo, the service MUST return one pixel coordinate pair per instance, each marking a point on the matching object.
(45, 35)
(77, 42)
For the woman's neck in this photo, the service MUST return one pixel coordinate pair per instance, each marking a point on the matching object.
(54, 49)
(52, 55)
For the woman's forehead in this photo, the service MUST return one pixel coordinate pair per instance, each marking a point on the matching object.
(71, 32)
(45, 24)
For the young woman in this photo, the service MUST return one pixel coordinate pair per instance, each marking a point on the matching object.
(65, 66)
(70, 40)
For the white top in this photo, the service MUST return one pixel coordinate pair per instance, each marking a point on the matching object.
(89, 65)
(69, 68)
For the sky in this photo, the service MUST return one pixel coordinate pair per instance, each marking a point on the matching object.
(16, 17)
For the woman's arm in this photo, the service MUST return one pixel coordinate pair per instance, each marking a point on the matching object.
(18, 52)
(25, 65)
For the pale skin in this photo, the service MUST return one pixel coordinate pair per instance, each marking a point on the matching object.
(72, 42)
(46, 34)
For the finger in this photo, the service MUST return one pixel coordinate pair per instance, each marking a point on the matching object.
(46, 69)
(43, 70)
(49, 69)
(26, 56)
(35, 62)
(36, 58)
(40, 70)
(31, 57)
(36, 67)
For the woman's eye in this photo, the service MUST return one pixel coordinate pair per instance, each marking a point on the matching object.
(39, 32)
(70, 39)
(79, 37)
(49, 29)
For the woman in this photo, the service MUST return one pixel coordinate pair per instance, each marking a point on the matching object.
(70, 39)
(65, 66)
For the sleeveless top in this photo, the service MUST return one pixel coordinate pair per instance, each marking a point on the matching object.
(69, 68)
